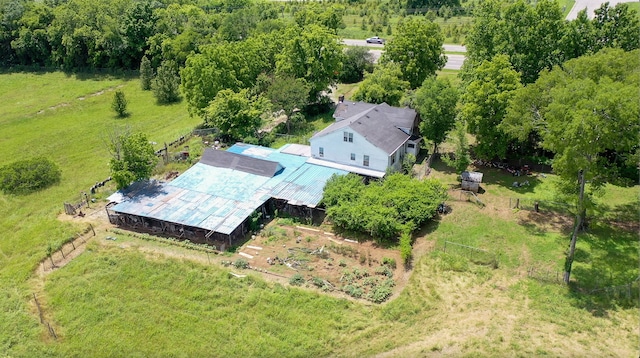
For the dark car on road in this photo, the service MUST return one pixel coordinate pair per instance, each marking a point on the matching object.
(375, 40)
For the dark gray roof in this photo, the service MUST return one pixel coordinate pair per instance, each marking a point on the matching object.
(345, 110)
(224, 159)
(382, 125)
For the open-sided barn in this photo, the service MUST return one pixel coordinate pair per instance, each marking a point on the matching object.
(215, 199)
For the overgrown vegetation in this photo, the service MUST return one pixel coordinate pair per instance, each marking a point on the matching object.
(381, 209)
(29, 175)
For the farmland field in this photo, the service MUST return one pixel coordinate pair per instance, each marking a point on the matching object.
(132, 297)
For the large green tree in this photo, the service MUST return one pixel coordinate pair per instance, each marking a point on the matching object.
(617, 27)
(417, 49)
(180, 29)
(32, 43)
(166, 84)
(133, 158)
(312, 53)
(356, 62)
(287, 94)
(582, 112)
(528, 35)
(537, 37)
(484, 105)
(225, 65)
(236, 114)
(384, 84)
(436, 101)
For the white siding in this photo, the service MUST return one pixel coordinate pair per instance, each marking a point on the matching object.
(339, 151)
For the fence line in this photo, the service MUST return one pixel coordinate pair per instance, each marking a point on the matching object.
(537, 205)
(44, 322)
(475, 254)
(70, 241)
(630, 290)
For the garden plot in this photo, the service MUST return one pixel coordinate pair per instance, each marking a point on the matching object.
(314, 258)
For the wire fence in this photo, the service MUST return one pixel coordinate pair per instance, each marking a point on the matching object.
(473, 254)
(539, 205)
(627, 292)
(54, 259)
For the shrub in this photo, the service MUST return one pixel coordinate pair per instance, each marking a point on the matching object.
(241, 264)
(405, 247)
(317, 281)
(296, 280)
(384, 271)
(119, 104)
(353, 291)
(389, 262)
(146, 74)
(27, 176)
(379, 294)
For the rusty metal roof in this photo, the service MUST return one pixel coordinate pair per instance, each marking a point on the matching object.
(213, 197)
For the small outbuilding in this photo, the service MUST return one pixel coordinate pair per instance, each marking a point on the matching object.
(471, 181)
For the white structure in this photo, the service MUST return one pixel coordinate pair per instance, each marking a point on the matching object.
(367, 138)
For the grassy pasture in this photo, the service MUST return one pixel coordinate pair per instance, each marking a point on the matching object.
(75, 117)
(122, 300)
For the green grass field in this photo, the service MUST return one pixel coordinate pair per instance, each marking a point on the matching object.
(66, 118)
(132, 298)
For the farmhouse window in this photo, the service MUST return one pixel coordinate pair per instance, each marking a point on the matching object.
(321, 151)
(365, 160)
(348, 137)
(353, 156)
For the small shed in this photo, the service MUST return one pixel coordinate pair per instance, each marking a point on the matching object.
(471, 181)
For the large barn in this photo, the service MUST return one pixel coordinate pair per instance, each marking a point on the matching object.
(213, 202)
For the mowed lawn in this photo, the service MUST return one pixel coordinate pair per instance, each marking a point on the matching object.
(127, 299)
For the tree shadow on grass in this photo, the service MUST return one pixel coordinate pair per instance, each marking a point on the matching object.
(496, 176)
(606, 276)
(440, 166)
(624, 216)
(539, 223)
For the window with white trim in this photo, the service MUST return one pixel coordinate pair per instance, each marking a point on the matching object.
(365, 160)
(321, 152)
(348, 137)
(353, 156)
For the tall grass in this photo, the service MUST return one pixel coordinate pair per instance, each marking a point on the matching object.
(66, 118)
(185, 309)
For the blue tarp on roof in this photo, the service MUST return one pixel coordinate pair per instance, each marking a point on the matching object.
(220, 199)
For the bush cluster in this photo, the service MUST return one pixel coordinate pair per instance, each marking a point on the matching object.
(28, 176)
(381, 209)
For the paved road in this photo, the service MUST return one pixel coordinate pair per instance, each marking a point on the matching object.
(447, 47)
(454, 62)
(590, 5)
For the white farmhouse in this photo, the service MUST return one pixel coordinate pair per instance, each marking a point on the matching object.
(367, 138)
